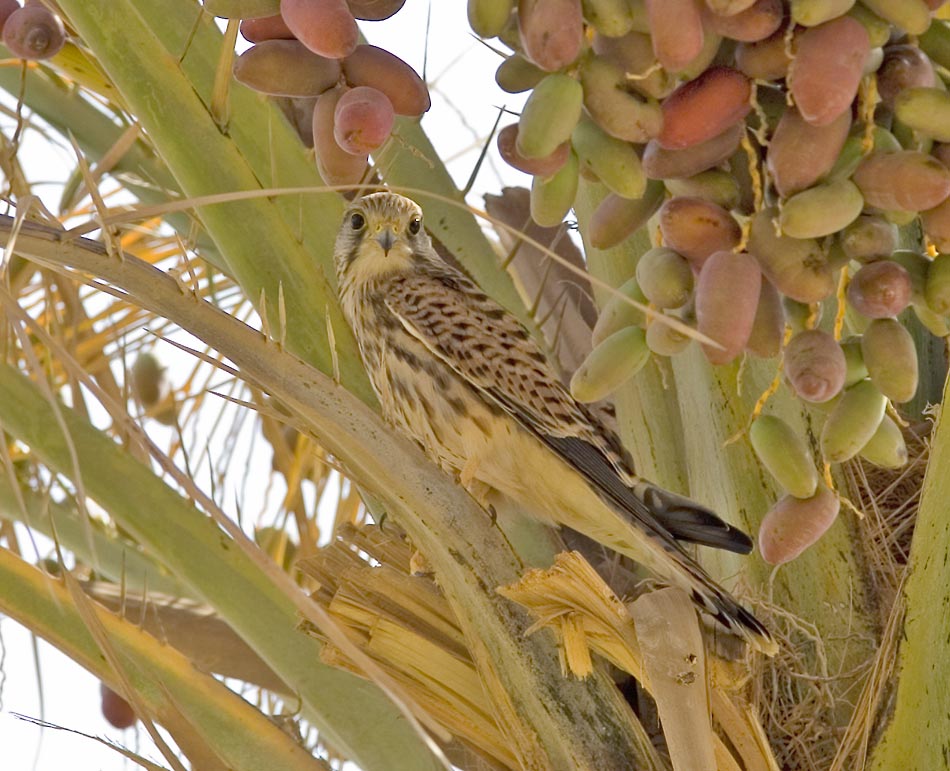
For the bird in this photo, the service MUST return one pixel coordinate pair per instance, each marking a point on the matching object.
(460, 375)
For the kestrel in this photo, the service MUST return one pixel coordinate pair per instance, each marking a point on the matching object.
(461, 375)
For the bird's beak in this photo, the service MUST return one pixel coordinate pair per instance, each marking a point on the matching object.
(386, 239)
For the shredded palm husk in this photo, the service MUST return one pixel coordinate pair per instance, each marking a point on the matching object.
(404, 623)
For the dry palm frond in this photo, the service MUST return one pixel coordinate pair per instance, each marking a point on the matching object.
(572, 599)
(584, 613)
(406, 625)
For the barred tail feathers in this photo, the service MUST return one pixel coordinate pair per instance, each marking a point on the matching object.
(632, 517)
(658, 552)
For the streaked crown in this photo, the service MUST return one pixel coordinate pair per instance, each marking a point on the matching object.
(387, 205)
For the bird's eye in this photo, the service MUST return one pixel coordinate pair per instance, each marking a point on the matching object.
(357, 221)
(415, 225)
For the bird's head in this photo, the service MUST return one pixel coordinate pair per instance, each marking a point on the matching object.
(381, 233)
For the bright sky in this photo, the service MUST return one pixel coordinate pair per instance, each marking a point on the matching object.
(464, 108)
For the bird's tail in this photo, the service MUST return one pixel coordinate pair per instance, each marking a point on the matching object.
(641, 521)
(687, 520)
(658, 551)
(726, 609)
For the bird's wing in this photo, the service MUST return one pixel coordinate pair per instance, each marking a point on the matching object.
(487, 346)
